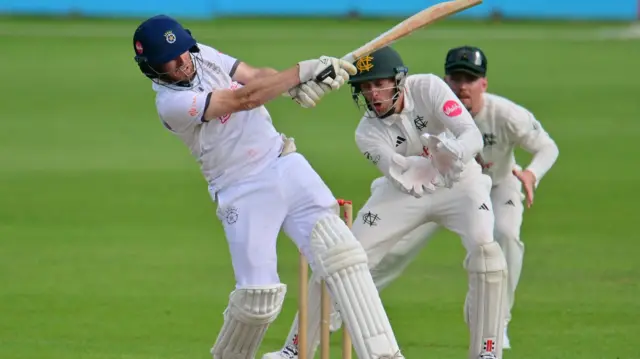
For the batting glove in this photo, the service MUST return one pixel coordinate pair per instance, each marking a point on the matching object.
(329, 70)
(309, 93)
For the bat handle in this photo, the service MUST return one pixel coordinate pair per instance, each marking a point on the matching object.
(350, 58)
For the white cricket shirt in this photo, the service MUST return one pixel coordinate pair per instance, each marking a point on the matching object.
(230, 147)
(506, 125)
(429, 107)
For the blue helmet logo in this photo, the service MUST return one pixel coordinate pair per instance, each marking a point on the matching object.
(170, 37)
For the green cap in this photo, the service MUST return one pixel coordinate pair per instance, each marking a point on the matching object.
(469, 59)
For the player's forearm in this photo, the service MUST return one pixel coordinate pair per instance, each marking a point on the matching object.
(380, 159)
(259, 73)
(262, 90)
(384, 165)
(376, 154)
(543, 159)
(471, 140)
(264, 72)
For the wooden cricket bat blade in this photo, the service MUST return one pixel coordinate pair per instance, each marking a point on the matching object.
(411, 24)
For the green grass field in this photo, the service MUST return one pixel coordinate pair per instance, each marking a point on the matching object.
(109, 244)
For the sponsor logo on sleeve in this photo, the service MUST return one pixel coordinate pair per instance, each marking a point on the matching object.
(452, 108)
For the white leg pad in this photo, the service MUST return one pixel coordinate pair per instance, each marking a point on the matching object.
(246, 319)
(340, 260)
(486, 300)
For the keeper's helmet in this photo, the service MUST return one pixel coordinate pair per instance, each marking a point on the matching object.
(157, 41)
(384, 63)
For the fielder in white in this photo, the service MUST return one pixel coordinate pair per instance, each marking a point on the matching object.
(214, 104)
(505, 125)
(424, 142)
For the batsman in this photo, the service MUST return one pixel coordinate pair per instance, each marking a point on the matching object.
(423, 140)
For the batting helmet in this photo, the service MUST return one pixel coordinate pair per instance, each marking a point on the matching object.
(159, 40)
(385, 63)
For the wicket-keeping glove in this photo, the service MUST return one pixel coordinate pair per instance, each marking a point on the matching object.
(416, 175)
(446, 154)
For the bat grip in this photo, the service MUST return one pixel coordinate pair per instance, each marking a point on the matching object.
(350, 58)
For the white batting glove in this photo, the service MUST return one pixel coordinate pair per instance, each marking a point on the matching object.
(309, 93)
(416, 175)
(329, 70)
(446, 153)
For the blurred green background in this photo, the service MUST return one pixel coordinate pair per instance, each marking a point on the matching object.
(109, 244)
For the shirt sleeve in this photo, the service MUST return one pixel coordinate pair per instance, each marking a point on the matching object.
(227, 63)
(450, 111)
(375, 145)
(526, 132)
(183, 109)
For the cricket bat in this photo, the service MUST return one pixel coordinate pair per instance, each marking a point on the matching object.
(417, 21)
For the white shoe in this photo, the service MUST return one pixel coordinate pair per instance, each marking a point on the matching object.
(505, 341)
(285, 353)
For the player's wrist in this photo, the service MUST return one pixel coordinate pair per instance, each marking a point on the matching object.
(533, 173)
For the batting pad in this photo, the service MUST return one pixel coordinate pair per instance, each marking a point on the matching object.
(485, 304)
(340, 259)
(246, 319)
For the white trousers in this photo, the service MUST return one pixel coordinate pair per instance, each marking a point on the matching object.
(506, 199)
(389, 215)
(290, 195)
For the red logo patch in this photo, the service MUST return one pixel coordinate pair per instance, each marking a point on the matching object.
(193, 110)
(452, 108)
(224, 118)
(425, 152)
(139, 48)
(489, 345)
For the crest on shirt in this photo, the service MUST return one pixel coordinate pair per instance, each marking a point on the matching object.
(170, 37)
(489, 139)
(420, 123)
